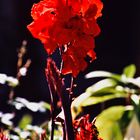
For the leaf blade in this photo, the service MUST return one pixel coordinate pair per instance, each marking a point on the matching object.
(129, 71)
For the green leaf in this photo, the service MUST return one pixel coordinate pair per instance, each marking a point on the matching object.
(26, 119)
(89, 98)
(101, 74)
(95, 100)
(100, 92)
(93, 89)
(76, 104)
(136, 103)
(101, 85)
(108, 123)
(129, 71)
(47, 105)
(126, 118)
(106, 91)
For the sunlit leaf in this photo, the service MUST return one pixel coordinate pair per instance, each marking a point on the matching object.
(6, 118)
(99, 74)
(135, 99)
(24, 134)
(108, 122)
(14, 137)
(95, 100)
(136, 103)
(21, 100)
(3, 78)
(100, 92)
(88, 99)
(20, 103)
(76, 104)
(134, 81)
(13, 82)
(33, 106)
(26, 119)
(130, 71)
(101, 85)
(106, 91)
(47, 105)
(126, 118)
(35, 128)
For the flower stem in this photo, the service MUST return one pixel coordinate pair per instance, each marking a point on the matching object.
(52, 127)
(61, 63)
(57, 87)
(53, 106)
(71, 89)
(67, 114)
(64, 132)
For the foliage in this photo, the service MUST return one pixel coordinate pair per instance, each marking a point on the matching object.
(71, 27)
(113, 121)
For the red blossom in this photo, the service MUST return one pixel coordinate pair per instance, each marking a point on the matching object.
(84, 130)
(74, 58)
(3, 136)
(63, 22)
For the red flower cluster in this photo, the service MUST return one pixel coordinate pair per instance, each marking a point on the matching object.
(84, 130)
(2, 136)
(69, 24)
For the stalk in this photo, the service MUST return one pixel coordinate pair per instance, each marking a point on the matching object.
(68, 117)
(57, 86)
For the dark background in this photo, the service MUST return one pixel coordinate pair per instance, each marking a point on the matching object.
(117, 46)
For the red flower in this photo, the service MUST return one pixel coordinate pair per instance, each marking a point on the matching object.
(74, 57)
(67, 22)
(84, 130)
(2, 136)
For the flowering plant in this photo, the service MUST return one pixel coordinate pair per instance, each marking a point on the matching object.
(123, 118)
(70, 26)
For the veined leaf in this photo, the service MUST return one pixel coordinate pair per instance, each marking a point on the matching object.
(129, 71)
